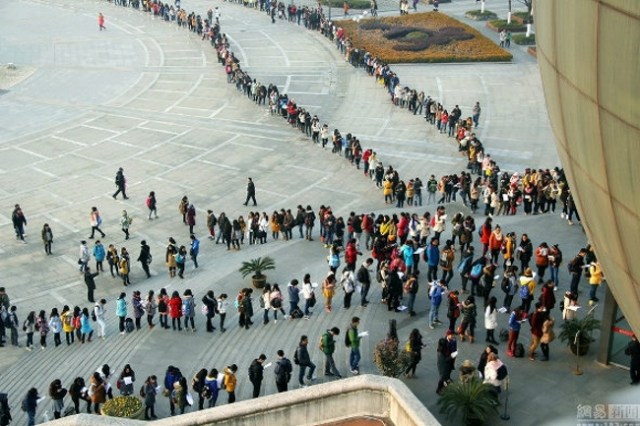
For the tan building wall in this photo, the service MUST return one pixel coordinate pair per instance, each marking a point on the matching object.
(589, 56)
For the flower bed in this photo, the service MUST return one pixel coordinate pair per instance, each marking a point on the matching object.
(123, 406)
(423, 37)
(477, 15)
(501, 24)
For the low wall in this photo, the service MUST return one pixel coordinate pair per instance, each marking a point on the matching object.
(356, 396)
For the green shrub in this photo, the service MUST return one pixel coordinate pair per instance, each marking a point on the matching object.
(481, 16)
(501, 24)
(522, 39)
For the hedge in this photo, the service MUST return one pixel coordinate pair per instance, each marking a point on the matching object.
(476, 15)
(501, 24)
(522, 39)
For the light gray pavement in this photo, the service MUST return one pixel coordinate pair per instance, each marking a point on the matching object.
(149, 97)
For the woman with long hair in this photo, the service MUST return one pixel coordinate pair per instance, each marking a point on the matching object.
(85, 326)
(55, 325)
(57, 393)
(43, 327)
(29, 327)
(491, 320)
(98, 393)
(414, 347)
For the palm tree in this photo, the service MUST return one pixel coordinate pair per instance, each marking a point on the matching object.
(255, 267)
(473, 400)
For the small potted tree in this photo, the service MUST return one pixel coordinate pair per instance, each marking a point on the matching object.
(255, 267)
(388, 356)
(472, 400)
(583, 329)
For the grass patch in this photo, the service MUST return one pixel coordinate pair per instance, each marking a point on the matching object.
(477, 15)
(523, 40)
(501, 24)
(353, 4)
(423, 37)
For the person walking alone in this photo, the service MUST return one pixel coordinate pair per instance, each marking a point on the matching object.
(47, 238)
(120, 181)
(101, 22)
(96, 221)
(251, 192)
(302, 358)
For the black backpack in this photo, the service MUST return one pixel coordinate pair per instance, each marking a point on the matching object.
(296, 360)
(519, 353)
(502, 372)
(347, 341)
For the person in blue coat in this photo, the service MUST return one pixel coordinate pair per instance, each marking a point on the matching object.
(432, 257)
(121, 310)
(195, 250)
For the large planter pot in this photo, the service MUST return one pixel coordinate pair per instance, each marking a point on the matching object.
(259, 281)
(584, 349)
(138, 414)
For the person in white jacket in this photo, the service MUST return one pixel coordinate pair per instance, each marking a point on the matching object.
(307, 295)
(491, 320)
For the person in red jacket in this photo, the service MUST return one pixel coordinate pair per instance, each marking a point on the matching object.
(403, 227)
(175, 310)
(485, 235)
(536, 320)
(367, 228)
(548, 298)
(351, 254)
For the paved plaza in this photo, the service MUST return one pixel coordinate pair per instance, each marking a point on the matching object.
(151, 98)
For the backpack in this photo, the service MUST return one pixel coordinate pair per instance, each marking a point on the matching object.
(519, 353)
(276, 303)
(504, 335)
(77, 323)
(505, 285)
(502, 372)
(476, 271)
(444, 259)
(128, 325)
(142, 393)
(186, 308)
(7, 322)
(23, 405)
(196, 385)
(148, 202)
(296, 360)
(347, 341)
(524, 291)
(297, 313)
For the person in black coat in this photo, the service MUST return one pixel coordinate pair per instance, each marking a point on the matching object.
(121, 184)
(5, 410)
(633, 350)
(256, 374)
(145, 257)
(209, 300)
(91, 284)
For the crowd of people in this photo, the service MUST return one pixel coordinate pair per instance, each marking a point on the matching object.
(399, 243)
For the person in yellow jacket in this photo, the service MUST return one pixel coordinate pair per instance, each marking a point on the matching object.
(508, 249)
(230, 381)
(124, 266)
(526, 289)
(387, 190)
(595, 279)
(67, 324)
